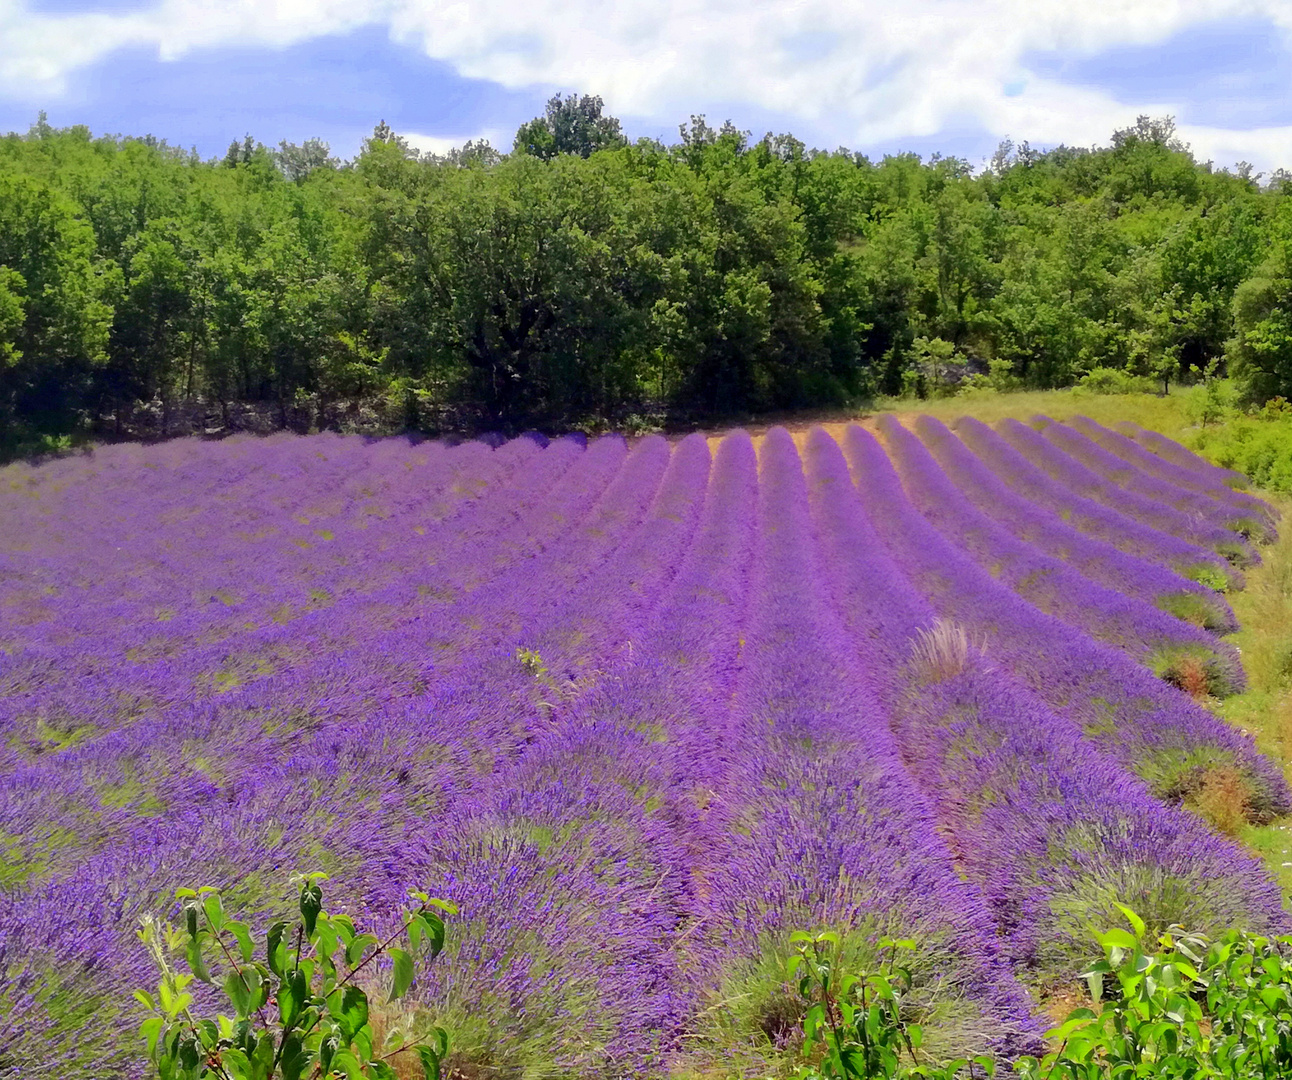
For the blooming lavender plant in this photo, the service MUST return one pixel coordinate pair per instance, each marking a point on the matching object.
(1040, 527)
(1237, 509)
(1160, 642)
(1111, 527)
(1154, 729)
(1051, 828)
(1173, 452)
(1072, 459)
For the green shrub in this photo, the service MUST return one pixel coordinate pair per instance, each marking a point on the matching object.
(1106, 380)
(1182, 1007)
(1258, 444)
(298, 1012)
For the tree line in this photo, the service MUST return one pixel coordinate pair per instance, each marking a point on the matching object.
(581, 277)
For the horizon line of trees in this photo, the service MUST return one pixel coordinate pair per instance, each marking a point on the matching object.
(582, 277)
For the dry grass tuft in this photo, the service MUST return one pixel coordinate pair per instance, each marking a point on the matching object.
(1191, 676)
(941, 651)
(1223, 799)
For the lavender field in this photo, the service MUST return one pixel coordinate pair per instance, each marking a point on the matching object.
(640, 710)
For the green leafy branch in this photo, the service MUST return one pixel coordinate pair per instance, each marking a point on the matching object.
(298, 1013)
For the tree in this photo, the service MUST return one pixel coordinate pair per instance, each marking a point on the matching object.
(571, 125)
(49, 268)
(297, 162)
(1260, 351)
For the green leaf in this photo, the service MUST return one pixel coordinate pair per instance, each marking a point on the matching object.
(356, 947)
(327, 1050)
(353, 1014)
(402, 976)
(236, 1063)
(434, 933)
(345, 1061)
(214, 910)
(293, 1059)
(145, 999)
(1117, 938)
(440, 1041)
(291, 997)
(196, 962)
(1137, 924)
(430, 1062)
(149, 1031)
(274, 948)
(311, 905)
(243, 935)
(239, 995)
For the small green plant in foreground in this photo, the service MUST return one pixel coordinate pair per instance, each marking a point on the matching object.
(854, 1023)
(1189, 1009)
(298, 1013)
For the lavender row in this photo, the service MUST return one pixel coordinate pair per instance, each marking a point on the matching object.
(1234, 509)
(1117, 530)
(1072, 459)
(143, 577)
(1048, 826)
(594, 868)
(1118, 470)
(1037, 525)
(826, 831)
(1173, 452)
(1155, 730)
(1169, 647)
(240, 645)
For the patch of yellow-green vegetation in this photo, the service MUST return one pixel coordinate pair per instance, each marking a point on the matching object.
(1197, 670)
(132, 793)
(1164, 414)
(1273, 844)
(1264, 711)
(237, 672)
(1194, 608)
(27, 860)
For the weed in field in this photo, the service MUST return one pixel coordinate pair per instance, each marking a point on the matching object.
(941, 651)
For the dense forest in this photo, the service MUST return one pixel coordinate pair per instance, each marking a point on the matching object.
(582, 278)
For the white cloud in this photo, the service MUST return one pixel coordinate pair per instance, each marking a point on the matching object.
(442, 144)
(861, 71)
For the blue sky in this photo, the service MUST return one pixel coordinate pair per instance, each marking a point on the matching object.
(954, 76)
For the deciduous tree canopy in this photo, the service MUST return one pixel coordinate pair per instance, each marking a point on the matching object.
(582, 276)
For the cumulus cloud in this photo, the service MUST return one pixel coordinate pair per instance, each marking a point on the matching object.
(442, 144)
(866, 72)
